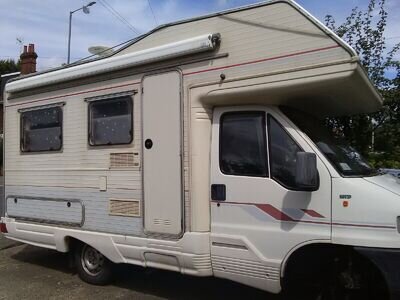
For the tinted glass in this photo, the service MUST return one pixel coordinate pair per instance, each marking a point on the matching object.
(242, 144)
(41, 130)
(111, 122)
(283, 151)
(347, 160)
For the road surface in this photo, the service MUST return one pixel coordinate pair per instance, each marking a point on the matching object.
(28, 272)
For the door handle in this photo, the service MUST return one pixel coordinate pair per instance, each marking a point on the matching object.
(218, 192)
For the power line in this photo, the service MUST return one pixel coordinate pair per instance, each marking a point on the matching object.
(393, 37)
(152, 12)
(120, 44)
(118, 15)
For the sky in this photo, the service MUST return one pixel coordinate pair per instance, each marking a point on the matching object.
(45, 22)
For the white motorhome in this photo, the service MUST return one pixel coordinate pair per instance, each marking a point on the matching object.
(198, 148)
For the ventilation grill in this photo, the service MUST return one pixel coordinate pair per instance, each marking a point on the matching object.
(162, 222)
(127, 208)
(124, 160)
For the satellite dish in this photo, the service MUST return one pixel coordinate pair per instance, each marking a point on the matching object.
(101, 51)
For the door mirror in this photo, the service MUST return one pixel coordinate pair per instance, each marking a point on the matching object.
(307, 178)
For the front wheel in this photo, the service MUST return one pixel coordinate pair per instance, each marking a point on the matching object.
(92, 266)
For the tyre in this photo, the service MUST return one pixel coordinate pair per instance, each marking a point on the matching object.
(345, 276)
(357, 280)
(92, 266)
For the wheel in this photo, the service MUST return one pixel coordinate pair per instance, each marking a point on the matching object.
(92, 266)
(355, 280)
(342, 277)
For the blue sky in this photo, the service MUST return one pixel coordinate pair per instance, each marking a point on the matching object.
(45, 22)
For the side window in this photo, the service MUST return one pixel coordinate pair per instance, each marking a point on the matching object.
(110, 121)
(41, 130)
(243, 144)
(282, 150)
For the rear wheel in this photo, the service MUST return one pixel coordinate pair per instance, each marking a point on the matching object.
(92, 266)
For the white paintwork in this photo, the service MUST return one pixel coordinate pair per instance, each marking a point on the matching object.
(162, 167)
(152, 55)
(271, 54)
(191, 254)
(246, 225)
(372, 206)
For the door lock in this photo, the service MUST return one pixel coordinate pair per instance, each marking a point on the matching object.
(148, 144)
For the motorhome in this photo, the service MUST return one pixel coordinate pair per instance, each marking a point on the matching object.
(198, 148)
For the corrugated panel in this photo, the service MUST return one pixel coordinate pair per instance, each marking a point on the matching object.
(244, 267)
(124, 207)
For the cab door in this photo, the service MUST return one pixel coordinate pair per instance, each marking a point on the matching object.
(258, 215)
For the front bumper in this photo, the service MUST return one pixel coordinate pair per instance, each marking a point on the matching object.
(388, 262)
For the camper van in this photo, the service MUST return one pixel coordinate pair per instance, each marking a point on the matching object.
(199, 148)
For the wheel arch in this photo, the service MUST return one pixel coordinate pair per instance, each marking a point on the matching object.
(104, 245)
(317, 256)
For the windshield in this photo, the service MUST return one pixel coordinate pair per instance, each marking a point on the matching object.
(344, 157)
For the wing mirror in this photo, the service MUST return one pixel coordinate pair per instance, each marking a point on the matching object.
(307, 177)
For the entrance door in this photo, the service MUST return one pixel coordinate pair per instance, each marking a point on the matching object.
(162, 161)
(258, 215)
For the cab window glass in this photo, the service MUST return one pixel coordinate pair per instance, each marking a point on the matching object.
(283, 151)
(243, 144)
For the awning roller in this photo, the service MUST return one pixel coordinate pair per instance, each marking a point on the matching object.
(206, 42)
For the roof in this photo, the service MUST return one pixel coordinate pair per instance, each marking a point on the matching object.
(206, 16)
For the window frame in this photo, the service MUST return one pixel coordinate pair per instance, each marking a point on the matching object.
(269, 116)
(265, 141)
(39, 108)
(103, 99)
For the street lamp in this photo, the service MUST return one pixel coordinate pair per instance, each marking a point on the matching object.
(85, 10)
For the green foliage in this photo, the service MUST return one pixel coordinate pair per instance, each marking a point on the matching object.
(364, 31)
(8, 66)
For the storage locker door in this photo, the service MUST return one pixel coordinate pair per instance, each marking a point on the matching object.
(162, 170)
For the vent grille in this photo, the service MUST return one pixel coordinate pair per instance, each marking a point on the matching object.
(124, 160)
(162, 222)
(125, 207)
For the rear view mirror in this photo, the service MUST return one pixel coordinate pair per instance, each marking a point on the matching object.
(307, 178)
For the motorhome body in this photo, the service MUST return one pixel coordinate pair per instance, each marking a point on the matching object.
(174, 152)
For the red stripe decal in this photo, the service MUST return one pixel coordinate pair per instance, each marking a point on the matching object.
(279, 215)
(274, 212)
(262, 60)
(312, 213)
(75, 94)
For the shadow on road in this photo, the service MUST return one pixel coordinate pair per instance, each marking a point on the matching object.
(154, 282)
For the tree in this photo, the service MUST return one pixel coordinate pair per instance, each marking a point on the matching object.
(364, 31)
(9, 66)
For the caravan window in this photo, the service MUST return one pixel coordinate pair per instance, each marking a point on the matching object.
(110, 121)
(243, 150)
(41, 130)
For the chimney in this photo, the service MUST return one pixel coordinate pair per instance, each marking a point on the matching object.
(28, 60)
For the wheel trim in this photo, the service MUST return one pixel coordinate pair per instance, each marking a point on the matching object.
(92, 260)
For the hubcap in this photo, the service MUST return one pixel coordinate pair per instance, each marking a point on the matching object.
(92, 260)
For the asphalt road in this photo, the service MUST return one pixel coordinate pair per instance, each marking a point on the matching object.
(28, 272)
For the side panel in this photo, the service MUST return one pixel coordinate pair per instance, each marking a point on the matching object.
(93, 175)
(162, 161)
(48, 210)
